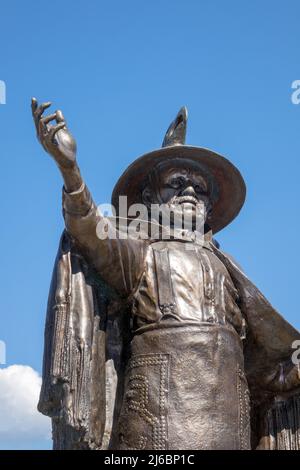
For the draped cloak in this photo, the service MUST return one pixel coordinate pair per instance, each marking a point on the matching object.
(87, 338)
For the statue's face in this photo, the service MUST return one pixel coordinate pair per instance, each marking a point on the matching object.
(180, 184)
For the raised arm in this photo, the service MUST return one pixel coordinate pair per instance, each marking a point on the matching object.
(111, 257)
(80, 213)
(58, 142)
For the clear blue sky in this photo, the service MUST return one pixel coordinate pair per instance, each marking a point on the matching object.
(120, 71)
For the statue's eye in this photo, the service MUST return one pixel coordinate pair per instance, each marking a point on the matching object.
(176, 182)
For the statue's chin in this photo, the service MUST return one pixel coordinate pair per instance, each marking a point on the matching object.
(191, 216)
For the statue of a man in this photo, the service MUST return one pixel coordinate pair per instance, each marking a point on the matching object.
(201, 357)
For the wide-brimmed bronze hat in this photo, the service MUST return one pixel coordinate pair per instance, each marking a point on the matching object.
(229, 189)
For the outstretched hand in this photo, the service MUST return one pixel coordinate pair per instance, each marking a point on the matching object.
(55, 138)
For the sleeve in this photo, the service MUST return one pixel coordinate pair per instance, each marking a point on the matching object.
(81, 217)
(116, 259)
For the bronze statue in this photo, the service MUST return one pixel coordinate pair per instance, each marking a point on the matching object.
(161, 342)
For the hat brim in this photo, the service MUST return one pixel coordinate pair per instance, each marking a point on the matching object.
(231, 191)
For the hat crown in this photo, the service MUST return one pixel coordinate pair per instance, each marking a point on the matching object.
(176, 132)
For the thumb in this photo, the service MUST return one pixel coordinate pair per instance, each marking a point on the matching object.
(59, 116)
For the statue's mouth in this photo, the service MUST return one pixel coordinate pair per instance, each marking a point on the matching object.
(186, 200)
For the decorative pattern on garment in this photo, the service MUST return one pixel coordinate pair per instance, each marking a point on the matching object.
(244, 410)
(145, 396)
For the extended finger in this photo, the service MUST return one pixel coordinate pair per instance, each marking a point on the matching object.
(34, 105)
(39, 111)
(47, 119)
(60, 116)
(55, 129)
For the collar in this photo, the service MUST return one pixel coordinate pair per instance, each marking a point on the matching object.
(185, 236)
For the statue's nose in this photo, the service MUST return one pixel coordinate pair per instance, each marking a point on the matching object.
(189, 191)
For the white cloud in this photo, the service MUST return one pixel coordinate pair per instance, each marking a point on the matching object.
(20, 421)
